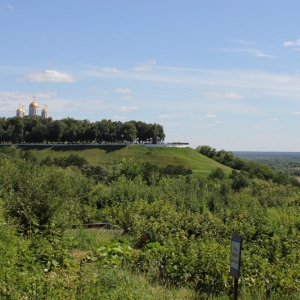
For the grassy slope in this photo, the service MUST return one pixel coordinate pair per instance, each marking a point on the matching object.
(187, 157)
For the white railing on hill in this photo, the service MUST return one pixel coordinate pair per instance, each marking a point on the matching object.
(168, 145)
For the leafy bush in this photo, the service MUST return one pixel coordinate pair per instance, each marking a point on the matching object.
(35, 197)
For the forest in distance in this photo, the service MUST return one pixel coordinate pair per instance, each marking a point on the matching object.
(285, 162)
(191, 218)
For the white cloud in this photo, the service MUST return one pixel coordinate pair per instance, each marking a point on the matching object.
(247, 81)
(291, 44)
(251, 51)
(94, 101)
(128, 98)
(127, 108)
(52, 61)
(145, 66)
(273, 119)
(96, 90)
(223, 96)
(50, 76)
(112, 70)
(9, 6)
(210, 125)
(296, 113)
(247, 47)
(259, 53)
(119, 118)
(164, 117)
(123, 91)
(194, 116)
(11, 96)
(218, 121)
(210, 116)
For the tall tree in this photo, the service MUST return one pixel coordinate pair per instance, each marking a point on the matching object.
(129, 132)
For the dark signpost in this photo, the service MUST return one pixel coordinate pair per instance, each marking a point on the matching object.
(235, 260)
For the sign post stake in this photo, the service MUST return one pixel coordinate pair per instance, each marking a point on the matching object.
(235, 260)
(235, 291)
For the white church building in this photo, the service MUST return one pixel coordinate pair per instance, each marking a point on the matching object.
(33, 110)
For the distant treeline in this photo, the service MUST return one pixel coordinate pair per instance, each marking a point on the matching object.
(281, 162)
(40, 130)
(249, 169)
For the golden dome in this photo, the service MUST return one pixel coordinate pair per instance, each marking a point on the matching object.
(19, 109)
(33, 104)
(45, 110)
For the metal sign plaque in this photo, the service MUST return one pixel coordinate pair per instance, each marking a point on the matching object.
(235, 255)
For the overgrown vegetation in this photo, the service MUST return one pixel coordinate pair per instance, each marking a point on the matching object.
(191, 219)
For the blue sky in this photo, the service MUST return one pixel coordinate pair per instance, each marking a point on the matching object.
(219, 73)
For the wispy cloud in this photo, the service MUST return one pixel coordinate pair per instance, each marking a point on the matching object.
(96, 90)
(9, 6)
(123, 90)
(127, 108)
(26, 96)
(210, 116)
(218, 121)
(247, 81)
(296, 113)
(273, 119)
(112, 70)
(119, 118)
(193, 116)
(247, 47)
(94, 101)
(128, 98)
(164, 117)
(291, 44)
(251, 51)
(50, 76)
(214, 95)
(145, 66)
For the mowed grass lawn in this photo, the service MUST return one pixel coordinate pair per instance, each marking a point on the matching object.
(110, 154)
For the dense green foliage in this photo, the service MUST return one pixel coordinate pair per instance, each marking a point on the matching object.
(39, 130)
(191, 218)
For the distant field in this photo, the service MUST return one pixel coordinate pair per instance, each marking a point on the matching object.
(108, 154)
(269, 155)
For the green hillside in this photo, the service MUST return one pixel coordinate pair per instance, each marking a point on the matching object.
(109, 154)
